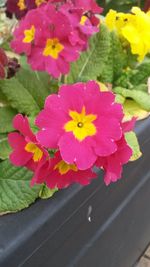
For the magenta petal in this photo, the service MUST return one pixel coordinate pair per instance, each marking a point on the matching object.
(20, 157)
(124, 152)
(53, 102)
(16, 140)
(63, 66)
(108, 128)
(21, 124)
(73, 151)
(50, 119)
(48, 138)
(105, 147)
(113, 171)
(129, 125)
(92, 88)
(72, 97)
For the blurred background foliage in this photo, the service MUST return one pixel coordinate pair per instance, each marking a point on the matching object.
(120, 5)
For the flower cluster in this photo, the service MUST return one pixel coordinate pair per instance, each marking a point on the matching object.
(132, 27)
(82, 126)
(21, 7)
(55, 33)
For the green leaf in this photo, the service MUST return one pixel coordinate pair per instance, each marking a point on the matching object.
(45, 192)
(9, 171)
(117, 60)
(132, 109)
(119, 99)
(133, 143)
(142, 73)
(36, 84)
(91, 63)
(140, 87)
(140, 97)
(5, 149)
(19, 96)
(15, 190)
(6, 116)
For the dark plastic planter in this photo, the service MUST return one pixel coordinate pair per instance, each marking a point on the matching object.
(94, 226)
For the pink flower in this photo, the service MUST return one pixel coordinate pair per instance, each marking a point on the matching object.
(84, 23)
(26, 150)
(113, 164)
(58, 174)
(56, 33)
(43, 34)
(82, 122)
(25, 35)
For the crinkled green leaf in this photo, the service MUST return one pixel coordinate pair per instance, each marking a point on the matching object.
(36, 83)
(142, 73)
(19, 96)
(5, 148)
(46, 192)
(16, 195)
(9, 171)
(140, 97)
(133, 143)
(15, 190)
(6, 116)
(116, 61)
(91, 63)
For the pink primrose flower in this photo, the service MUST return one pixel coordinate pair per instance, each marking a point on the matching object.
(56, 173)
(28, 32)
(55, 34)
(82, 122)
(43, 35)
(26, 150)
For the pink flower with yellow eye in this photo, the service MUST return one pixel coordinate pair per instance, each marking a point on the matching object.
(56, 173)
(43, 34)
(26, 34)
(26, 150)
(82, 122)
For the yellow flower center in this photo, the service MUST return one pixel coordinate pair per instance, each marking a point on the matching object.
(63, 167)
(29, 35)
(81, 124)
(21, 4)
(53, 48)
(39, 2)
(83, 20)
(37, 152)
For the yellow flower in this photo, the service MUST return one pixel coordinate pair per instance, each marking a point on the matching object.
(117, 20)
(133, 27)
